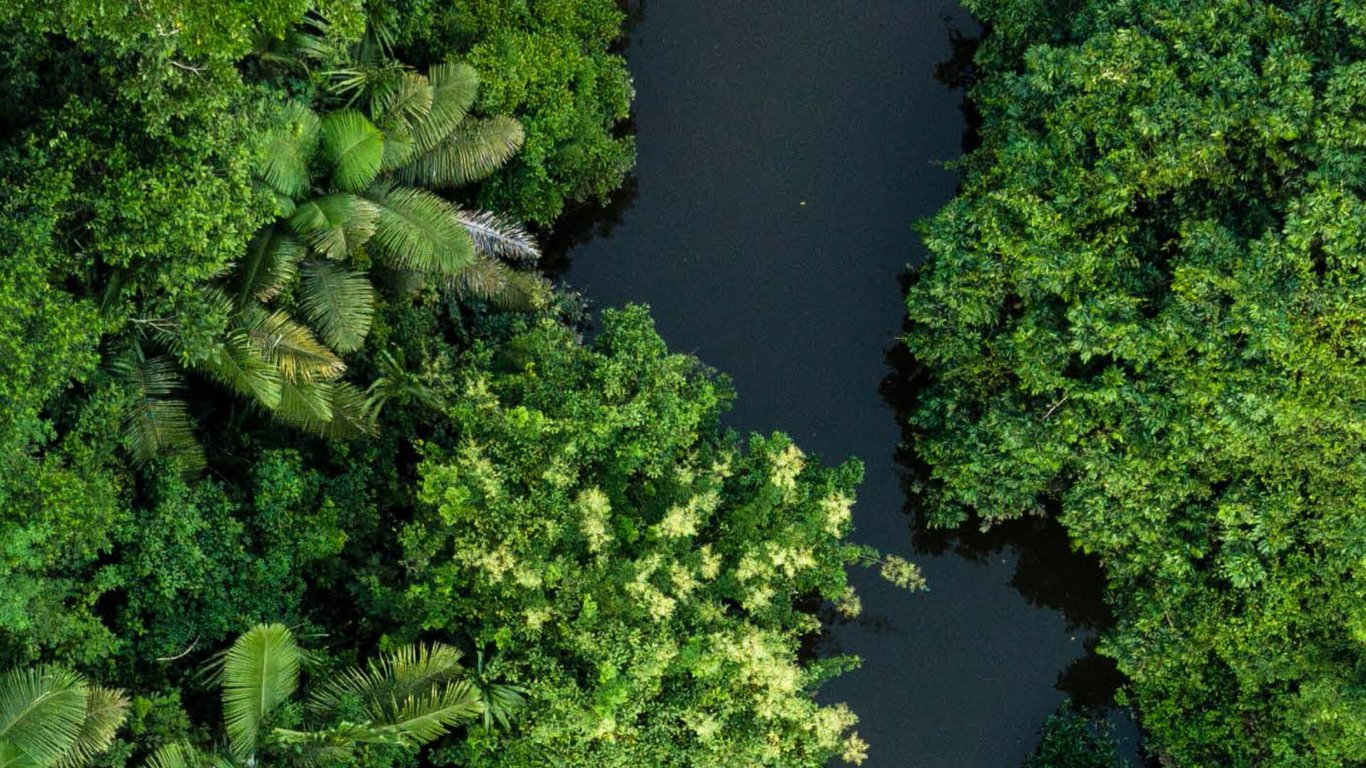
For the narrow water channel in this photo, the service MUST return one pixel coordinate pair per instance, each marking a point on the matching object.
(786, 149)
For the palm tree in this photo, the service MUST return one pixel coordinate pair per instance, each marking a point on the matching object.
(407, 697)
(50, 718)
(353, 189)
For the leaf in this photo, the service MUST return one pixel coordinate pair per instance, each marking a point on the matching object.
(338, 303)
(500, 285)
(305, 404)
(155, 424)
(291, 348)
(423, 717)
(497, 237)
(289, 148)
(105, 711)
(239, 365)
(453, 90)
(335, 225)
(470, 153)
(381, 684)
(408, 102)
(260, 671)
(354, 147)
(41, 713)
(417, 230)
(270, 263)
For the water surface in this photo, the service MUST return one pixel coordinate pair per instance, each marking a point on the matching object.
(786, 149)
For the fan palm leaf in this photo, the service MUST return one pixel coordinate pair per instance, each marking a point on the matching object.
(335, 225)
(288, 150)
(42, 711)
(497, 237)
(453, 90)
(259, 672)
(291, 348)
(338, 303)
(271, 262)
(352, 415)
(418, 230)
(471, 152)
(354, 147)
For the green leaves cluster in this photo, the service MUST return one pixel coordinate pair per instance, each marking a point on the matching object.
(1143, 314)
(552, 65)
(51, 718)
(635, 567)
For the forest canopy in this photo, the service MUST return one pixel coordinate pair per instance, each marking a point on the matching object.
(302, 461)
(1143, 315)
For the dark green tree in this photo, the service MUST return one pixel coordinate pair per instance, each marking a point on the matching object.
(1144, 314)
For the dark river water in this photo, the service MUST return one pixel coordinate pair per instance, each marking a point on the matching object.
(786, 149)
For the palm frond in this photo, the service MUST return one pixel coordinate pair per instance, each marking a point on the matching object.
(471, 152)
(407, 103)
(426, 716)
(382, 684)
(305, 404)
(495, 236)
(154, 423)
(291, 348)
(42, 710)
(399, 147)
(363, 80)
(501, 700)
(335, 225)
(178, 756)
(260, 671)
(500, 285)
(418, 230)
(338, 303)
(271, 261)
(105, 711)
(239, 365)
(289, 148)
(453, 90)
(354, 147)
(352, 414)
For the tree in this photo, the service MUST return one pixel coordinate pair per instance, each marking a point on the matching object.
(1142, 314)
(343, 183)
(636, 568)
(50, 718)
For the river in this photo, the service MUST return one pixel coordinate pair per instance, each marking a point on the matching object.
(785, 151)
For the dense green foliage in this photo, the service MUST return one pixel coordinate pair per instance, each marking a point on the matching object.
(1073, 740)
(549, 64)
(633, 566)
(1144, 314)
(215, 213)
